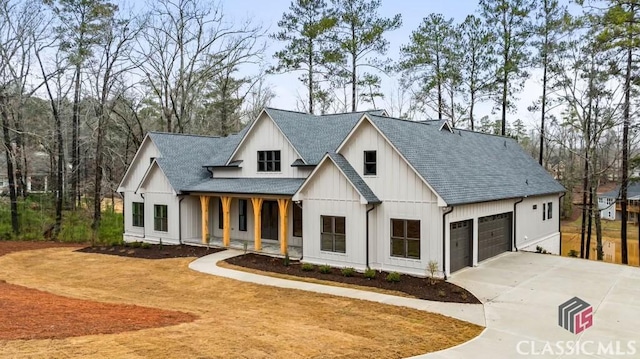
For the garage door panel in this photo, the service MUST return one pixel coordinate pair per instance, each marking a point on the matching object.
(461, 237)
(494, 235)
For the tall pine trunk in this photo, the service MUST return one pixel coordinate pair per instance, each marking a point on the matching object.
(625, 152)
(75, 148)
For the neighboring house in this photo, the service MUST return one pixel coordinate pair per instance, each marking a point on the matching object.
(609, 203)
(355, 189)
(37, 173)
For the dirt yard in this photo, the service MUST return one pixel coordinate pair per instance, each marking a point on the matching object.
(234, 319)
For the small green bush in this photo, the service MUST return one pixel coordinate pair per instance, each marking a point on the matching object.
(145, 245)
(348, 271)
(324, 269)
(573, 253)
(393, 277)
(307, 267)
(442, 293)
(369, 273)
(287, 260)
(135, 244)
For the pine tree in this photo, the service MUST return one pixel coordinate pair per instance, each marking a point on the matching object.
(509, 24)
(360, 36)
(306, 30)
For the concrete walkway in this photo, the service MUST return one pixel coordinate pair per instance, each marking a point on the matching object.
(473, 313)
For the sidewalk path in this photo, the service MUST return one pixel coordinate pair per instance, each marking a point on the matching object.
(473, 313)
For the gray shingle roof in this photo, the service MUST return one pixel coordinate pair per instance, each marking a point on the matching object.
(467, 167)
(313, 136)
(353, 177)
(181, 156)
(633, 190)
(273, 186)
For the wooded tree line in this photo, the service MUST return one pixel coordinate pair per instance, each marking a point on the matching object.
(84, 80)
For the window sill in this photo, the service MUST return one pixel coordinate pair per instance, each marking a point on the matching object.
(405, 258)
(343, 254)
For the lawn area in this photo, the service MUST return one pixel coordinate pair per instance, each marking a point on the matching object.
(610, 238)
(233, 319)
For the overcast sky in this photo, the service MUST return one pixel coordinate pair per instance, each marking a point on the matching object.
(288, 88)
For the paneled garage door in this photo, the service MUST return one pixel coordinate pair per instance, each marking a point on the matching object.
(494, 235)
(461, 235)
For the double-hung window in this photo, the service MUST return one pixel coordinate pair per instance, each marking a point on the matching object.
(242, 214)
(405, 238)
(160, 222)
(137, 212)
(370, 163)
(332, 235)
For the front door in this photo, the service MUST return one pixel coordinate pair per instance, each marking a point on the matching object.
(270, 220)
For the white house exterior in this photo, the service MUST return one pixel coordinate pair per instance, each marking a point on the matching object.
(609, 203)
(355, 190)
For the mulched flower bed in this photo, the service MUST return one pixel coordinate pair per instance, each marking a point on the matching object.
(441, 291)
(152, 251)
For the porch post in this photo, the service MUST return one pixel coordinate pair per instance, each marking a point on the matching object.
(257, 223)
(204, 210)
(283, 205)
(226, 220)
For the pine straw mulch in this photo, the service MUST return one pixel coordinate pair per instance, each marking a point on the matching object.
(27, 313)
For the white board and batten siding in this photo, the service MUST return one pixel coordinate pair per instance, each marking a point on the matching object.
(137, 169)
(532, 230)
(158, 191)
(264, 136)
(331, 194)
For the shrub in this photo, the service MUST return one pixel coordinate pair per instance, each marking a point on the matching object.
(307, 267)
(348, 271)
(135, 244)
(324, 269)
(573, 253)
(287, 260)
(369, 273)
(464, 296)
(442, 293)
(145, 246)
(432, 269)
(393, 277)
(456, 290)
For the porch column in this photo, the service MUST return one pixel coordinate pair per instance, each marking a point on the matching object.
(226, 220)
(204, 210)
(283, 205)
(257, 223)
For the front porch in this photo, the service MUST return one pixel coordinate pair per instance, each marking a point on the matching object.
(268, 247)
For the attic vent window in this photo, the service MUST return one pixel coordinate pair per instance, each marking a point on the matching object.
(370, 163)
(268, 161)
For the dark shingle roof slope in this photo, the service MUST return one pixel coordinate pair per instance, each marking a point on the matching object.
(313, 136)
(273, 186)
(182, 156)
(354, 177)
(467, 167)
(633, 190)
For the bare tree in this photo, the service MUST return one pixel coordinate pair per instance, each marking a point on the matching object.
(186, 44)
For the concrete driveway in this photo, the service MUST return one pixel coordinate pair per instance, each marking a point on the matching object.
(522, 292)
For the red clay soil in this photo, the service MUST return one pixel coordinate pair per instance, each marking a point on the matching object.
(27, 313)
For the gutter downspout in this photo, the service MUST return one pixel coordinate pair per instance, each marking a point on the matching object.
(515, 226)
(124, 230)
(444, 242)
(373, 206)
(559, 219)
(299, 204)
(180, 219)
